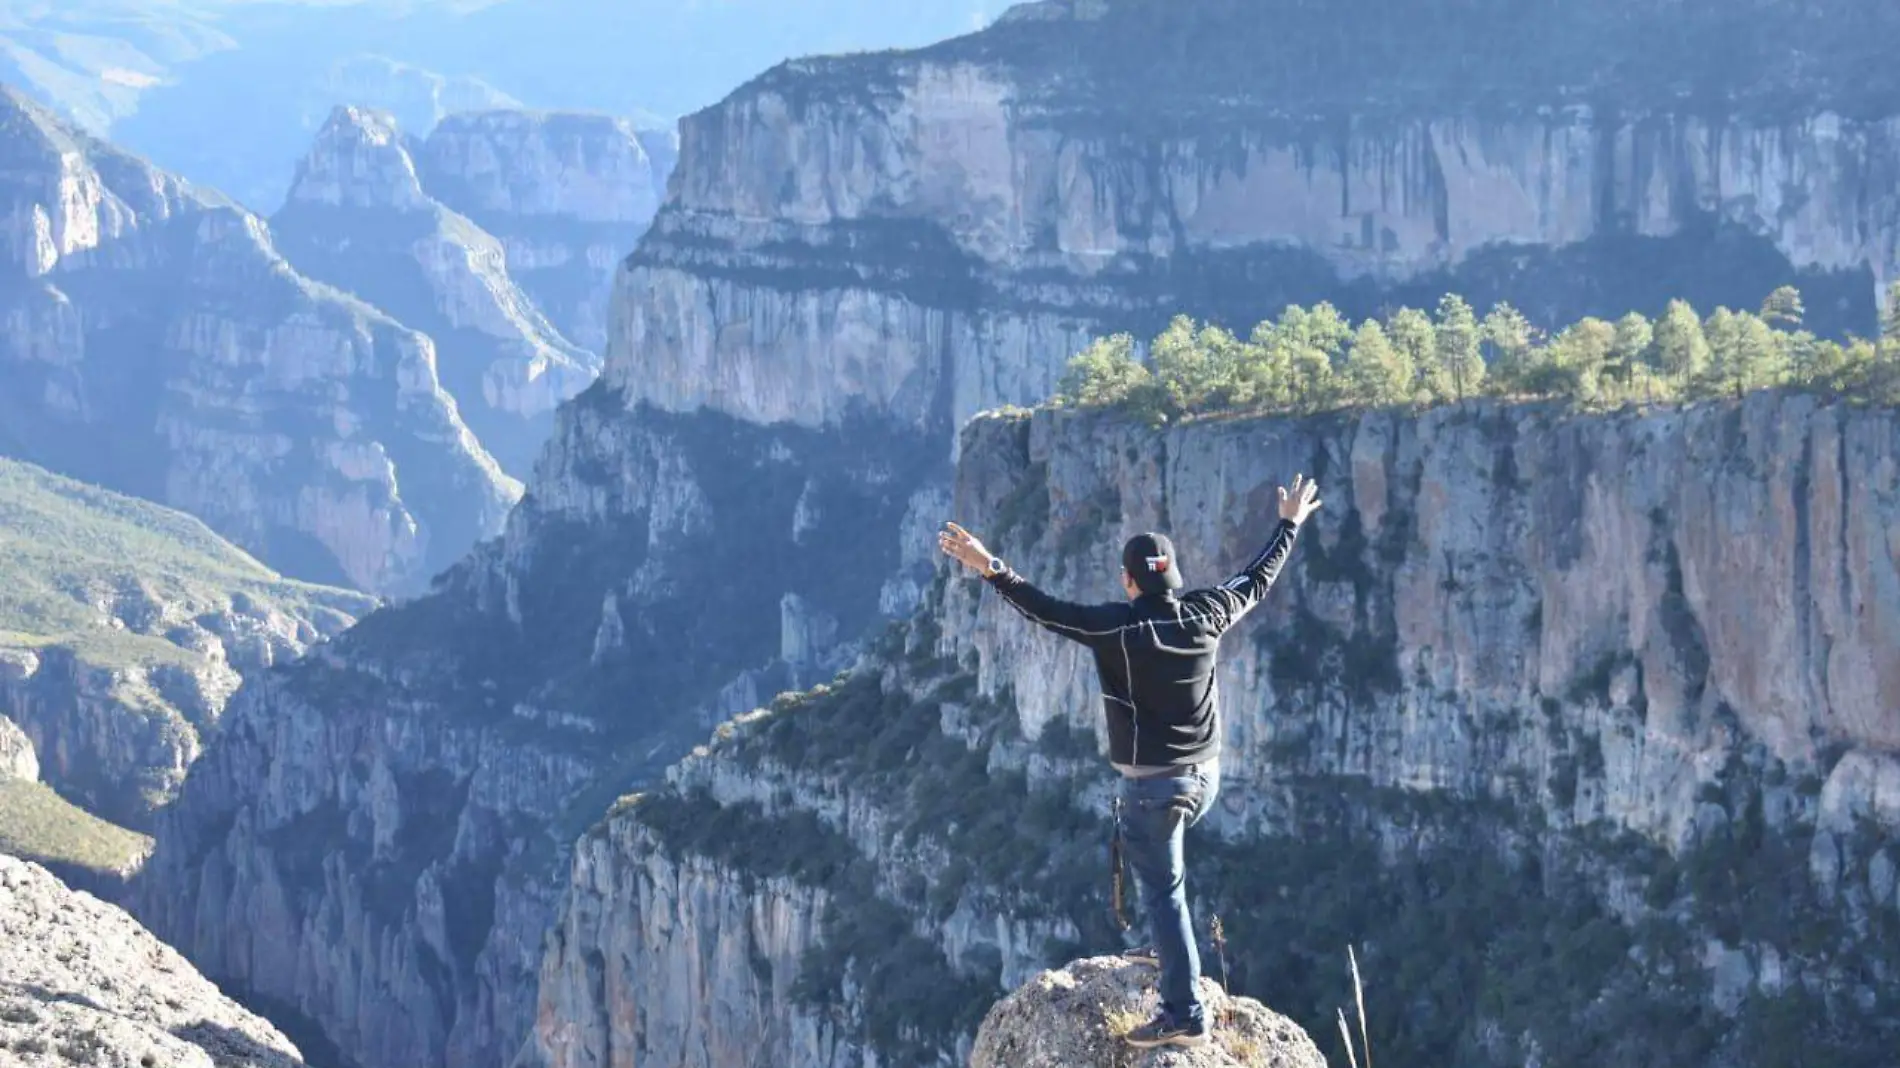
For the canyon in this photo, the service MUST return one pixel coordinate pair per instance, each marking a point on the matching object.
(1609, 697)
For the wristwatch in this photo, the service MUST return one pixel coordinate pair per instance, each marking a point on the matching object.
(995, 567)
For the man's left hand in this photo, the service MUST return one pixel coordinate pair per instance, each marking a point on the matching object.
(963, 547)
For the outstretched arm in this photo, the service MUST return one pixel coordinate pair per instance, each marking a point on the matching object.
(1236, 597)
(1078, 622)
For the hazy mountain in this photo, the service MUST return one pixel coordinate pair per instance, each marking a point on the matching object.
(228, 92)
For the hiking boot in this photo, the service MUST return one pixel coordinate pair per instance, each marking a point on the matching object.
(1143, 955)
(1163, 1031)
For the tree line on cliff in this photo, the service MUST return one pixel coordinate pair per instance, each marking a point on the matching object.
(1314, 359)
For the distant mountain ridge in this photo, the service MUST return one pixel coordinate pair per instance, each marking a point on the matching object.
(184, 81)
(159, 345)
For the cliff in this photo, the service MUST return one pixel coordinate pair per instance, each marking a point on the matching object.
(1573, 722)
(931, 233)
(393, 812)
(158, 345)
(124, 630)
(85, 984)
(568, 195)
(358, 218)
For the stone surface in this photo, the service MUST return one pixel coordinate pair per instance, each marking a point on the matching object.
(82, 983)
(1074, 1017)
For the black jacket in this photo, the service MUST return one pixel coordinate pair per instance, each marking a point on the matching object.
(1155, 655)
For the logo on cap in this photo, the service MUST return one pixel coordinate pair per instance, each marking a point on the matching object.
(1158, 563)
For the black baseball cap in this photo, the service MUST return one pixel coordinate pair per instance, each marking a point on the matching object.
(1149, 560)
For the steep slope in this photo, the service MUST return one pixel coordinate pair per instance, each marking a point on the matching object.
(568, 195)
(158, 345)
(124, 629)
(84, 984)
(358, 219)
(393, 811)
(1582, 728)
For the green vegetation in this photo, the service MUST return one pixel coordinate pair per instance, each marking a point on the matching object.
(74, 557)
(41, 826)
(1313, 359)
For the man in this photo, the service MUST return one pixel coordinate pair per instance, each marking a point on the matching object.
(1155, 657)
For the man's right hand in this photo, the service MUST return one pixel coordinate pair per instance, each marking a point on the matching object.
(963, 547)
(1303, 501)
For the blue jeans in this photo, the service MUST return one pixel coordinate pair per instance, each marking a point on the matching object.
(1156, 814)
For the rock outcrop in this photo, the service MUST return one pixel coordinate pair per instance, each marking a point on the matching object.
(158, 345)
(358, 218)
(82, 983)
(17, 759)
(1075, 1016)
(1515, 686)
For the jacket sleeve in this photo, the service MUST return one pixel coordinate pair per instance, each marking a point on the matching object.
(1084, 623)
(1233, 599)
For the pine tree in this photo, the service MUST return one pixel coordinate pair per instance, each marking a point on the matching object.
(1412, 333)
(1102, 375)
(1188, 378)
(1633, 337)
(1267, 369)
(1315, 342)
(1572, 364)
(1679, 348)
(1510, 337)
(1378, 374)
(1457, 348)
(1783, 308)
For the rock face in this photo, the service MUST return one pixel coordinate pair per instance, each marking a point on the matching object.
(1074, 1017)
(358, 218)
(1510, 660)
(497, 236)
(567, 195)
(635, 599)
(935, 232)
(158, 345)
(17, 759)
(82, 983)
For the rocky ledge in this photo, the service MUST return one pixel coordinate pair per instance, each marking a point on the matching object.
(82, 983)
(1075, 1016)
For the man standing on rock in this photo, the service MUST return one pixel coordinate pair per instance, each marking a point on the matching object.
(1155, 657)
